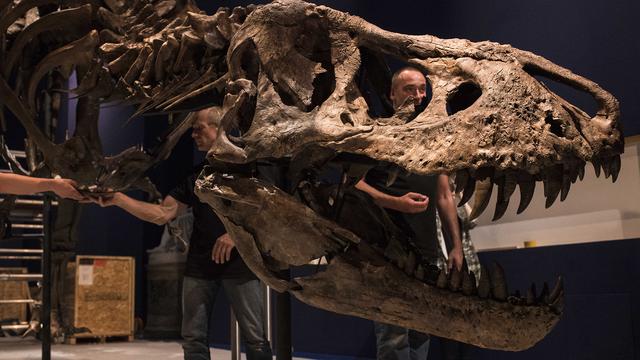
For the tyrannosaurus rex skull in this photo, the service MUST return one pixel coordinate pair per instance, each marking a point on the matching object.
(299, 80)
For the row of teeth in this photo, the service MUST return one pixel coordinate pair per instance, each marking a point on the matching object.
(491, 285)
(557, 180)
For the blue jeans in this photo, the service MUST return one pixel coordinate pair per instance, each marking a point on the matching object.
(246, 298)
(397, 343)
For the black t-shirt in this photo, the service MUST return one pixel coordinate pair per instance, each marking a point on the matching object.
(207, 227)
(420, 227)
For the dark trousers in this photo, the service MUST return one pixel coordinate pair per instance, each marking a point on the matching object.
(397, 343)
(246, 298)
(454, 350)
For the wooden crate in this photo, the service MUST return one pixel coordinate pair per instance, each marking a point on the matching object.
(99, 296)
(14, 290)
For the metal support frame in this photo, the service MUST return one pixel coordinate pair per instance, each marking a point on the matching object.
(46, 282)
(283, 323)
(267, 313)
(43, 254)
(235, 337)
(236, 349)
(20, 301)
(20, 277)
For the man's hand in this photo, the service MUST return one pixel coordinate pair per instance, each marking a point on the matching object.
(221, 252)
(65, 188)
(104, 200)
(455, 258)
(411, 203)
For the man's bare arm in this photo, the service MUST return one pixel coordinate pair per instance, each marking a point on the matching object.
(449, 217)
(158, 214)
(408, 203)
(25, 185)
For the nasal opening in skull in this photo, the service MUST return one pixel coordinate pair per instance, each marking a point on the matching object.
(555, 126)
(463, 97)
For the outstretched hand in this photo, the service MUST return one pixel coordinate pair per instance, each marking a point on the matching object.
(221, 252)
(66, 188)
(103, 200)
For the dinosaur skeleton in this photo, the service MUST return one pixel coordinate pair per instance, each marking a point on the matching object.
(298, 83)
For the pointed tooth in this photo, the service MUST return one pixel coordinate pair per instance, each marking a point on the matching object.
(553, 193)
(606, 167)
(443, 279)
(506, 187)
(401, 263)
(558, 304)
(498, 283)
(557, 290)
(392, 176)
(566, 186)
(468, 191)
(410, 264)
(455, 281)
(419, 274)
(468, 283)
(615, 167)
(462, 177)
(531, 295)
(483, 195)
(484, 285)
(544, 294)
(581, 171)
(501, 208)
(573, 174)
(596, 166)
(553, 185)
(527, 188)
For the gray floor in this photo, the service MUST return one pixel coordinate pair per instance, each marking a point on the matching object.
(29, 349)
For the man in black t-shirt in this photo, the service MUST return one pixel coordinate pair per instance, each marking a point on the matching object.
(212, 261)
(407, 201)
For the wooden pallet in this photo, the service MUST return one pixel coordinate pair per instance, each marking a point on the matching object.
(100, 339)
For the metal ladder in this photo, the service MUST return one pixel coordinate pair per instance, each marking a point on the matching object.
(30, 221)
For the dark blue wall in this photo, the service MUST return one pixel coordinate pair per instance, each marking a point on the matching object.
(594, 38)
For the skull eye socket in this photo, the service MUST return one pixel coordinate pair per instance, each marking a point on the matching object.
(463, 97)
(290, 74)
